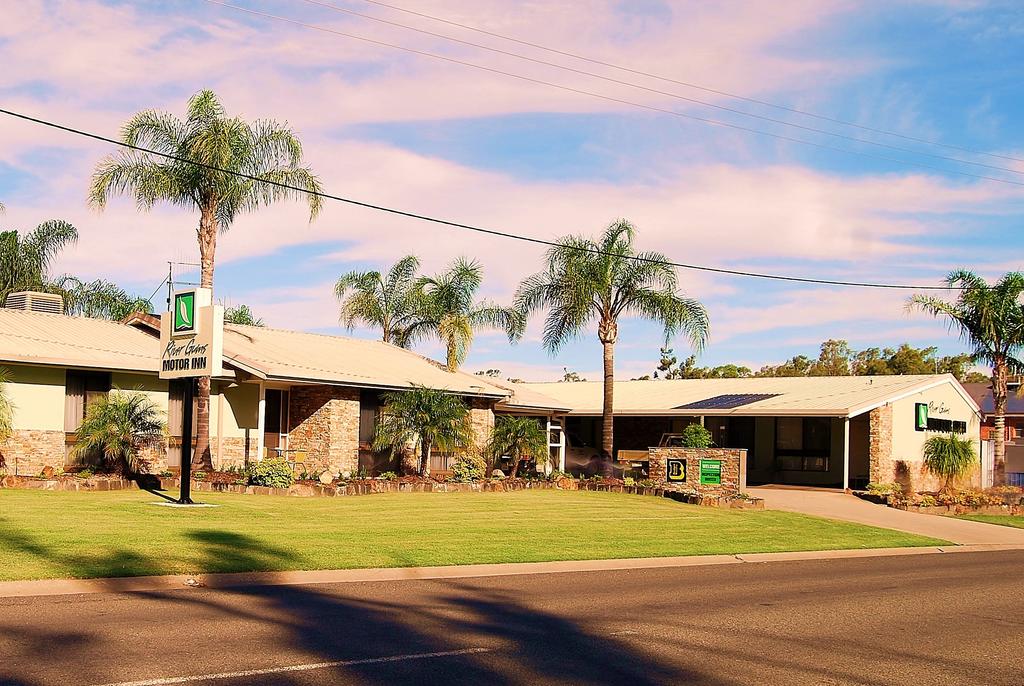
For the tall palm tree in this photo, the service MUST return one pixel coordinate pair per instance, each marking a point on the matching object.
(101, 299)
(393, 301)
(603, 280)
(517, 438)
(991, 320)
(25, 259)
(426, 418)
(264, 149)
(453, 314)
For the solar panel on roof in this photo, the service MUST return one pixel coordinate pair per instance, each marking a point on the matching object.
(727, 401)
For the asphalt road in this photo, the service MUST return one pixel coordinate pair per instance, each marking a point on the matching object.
(929, 619)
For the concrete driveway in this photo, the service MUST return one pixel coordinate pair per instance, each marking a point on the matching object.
(850, 508)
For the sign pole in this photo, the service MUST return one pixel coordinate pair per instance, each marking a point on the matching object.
(185, 497)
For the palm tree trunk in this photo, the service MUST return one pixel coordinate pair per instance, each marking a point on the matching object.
(999, 393)
(425, 459)
(516, 459)
(207, 248)
(607, 414)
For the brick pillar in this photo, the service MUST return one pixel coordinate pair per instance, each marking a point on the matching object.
(325, 424)
(481, 416)
(880, 445)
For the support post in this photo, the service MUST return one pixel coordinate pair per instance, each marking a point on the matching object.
(846, 453)
(261, 423)
(188, 401)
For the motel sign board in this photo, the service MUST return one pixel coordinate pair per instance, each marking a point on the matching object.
(192, 336)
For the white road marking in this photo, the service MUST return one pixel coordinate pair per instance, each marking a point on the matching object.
(298, 668)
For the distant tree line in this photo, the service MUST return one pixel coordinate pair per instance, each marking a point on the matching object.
(835, 358)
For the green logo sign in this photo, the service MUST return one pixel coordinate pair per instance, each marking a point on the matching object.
(920, 416)
(184, 312)
(675, 470)
(711, 472)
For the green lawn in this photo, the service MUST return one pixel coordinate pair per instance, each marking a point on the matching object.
(1005, 520)
(51, 535)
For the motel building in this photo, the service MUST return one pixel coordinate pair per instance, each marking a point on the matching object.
(314, 400)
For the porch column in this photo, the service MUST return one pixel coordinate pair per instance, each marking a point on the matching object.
(261, 423)
(846, 453)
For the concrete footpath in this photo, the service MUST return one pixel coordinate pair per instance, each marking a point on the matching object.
(850, 508)
(143, 584)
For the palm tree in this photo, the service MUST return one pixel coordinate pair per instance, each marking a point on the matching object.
(242, 314)
(423, 417)
(25, 259)
(6, 411)
(517, 438)
(603, 280)
(948, 457)
(228, 146)
(101, 299)
(392, 302)
(118, 427)
(991, 320)
(452, 313)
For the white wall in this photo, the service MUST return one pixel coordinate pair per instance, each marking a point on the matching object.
(38, 397)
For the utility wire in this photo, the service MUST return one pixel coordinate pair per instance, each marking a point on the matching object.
(695, 86)
(459, 225)
(609, 98)
(703, 103)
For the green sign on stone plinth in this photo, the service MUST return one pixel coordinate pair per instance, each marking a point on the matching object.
(711, 472)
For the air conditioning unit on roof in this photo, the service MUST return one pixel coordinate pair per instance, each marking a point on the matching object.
(33, 301)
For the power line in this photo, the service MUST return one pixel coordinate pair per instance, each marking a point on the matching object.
(703, 103)
(609, 98)
(459, 225)
(695, 86)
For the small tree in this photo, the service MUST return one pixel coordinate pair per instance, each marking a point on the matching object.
(118, 427)
(6, 410)
(241, 314)
(424, 418)
(517, 438)
(949, 457)
(696, 436)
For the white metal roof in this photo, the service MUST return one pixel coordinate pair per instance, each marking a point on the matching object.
(58, 340)
(832, 396)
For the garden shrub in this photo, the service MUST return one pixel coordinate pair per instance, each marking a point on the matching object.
(388, 476)
(468, 467)
(85, 473)
(198, 476)
(887, 488)
(696, 436)
(273, 473)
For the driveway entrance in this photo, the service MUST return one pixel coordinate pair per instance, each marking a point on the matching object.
(850, 508)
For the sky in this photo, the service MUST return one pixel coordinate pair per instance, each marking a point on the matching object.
(434, 136)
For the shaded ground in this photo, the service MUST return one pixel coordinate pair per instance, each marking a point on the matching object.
(935, 619)
(50, 535)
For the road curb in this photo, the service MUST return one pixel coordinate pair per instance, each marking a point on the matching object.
(177, 582)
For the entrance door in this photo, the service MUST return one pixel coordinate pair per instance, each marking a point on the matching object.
(275, 432)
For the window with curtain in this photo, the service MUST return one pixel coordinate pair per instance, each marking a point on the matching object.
(81, 391)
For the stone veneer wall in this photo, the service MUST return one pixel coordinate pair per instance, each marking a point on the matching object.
(880, 463)
(732, 459)
(234, 453)
(27, 451)
(481, 416)
(325, 424)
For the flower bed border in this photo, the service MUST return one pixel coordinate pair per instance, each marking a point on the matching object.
(372, 486)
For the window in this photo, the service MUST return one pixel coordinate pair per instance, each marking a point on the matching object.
(369, 409)
(803, 444)
(81, 391)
